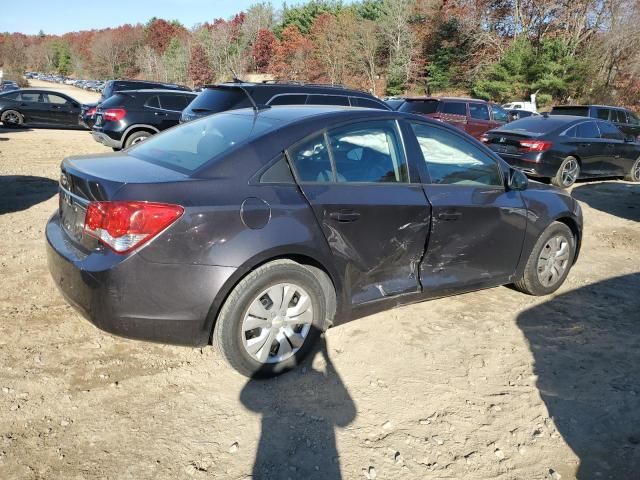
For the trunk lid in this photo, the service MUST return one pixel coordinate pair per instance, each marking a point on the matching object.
(505, 143)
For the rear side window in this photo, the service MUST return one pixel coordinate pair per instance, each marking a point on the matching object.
(610, 131)
(279, 172)
(196, 143)
(368, 152)
(10, 96)
(452, 160)
(587, 130)
(633, 120)
(153, 102)
(311, 160)
(618, 116)
(424, 107)
(31, 97)
(455, 108)
(213, 100)
(176, 103)
(479, 111)
(117, 100)
(602, 113)
(56, 99)
(328, 100)
(365, 103)
(293, 99)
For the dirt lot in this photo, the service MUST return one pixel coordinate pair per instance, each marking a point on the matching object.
(488, 385)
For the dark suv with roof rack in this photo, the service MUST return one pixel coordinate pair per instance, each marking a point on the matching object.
(234, 95)
(624, 119)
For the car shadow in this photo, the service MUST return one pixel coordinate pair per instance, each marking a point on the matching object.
(19, 192)
(586, 346)
(616, 198)
(300, 411)
(11, 130)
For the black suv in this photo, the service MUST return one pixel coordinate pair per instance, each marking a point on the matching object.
(624, 119)
(234, 95)
(131, 116)
(88, 111)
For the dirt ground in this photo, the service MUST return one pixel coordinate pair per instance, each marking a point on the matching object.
(488, 385)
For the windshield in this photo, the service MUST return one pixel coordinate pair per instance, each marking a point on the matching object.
(213, 100)
(191, 145)
(419, 106)
(576, 111)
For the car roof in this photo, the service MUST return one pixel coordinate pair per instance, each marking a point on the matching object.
(593, 105)
(293, 87)
(457, 99)
(158, 90)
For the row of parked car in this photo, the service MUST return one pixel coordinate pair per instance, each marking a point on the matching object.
(561, 145)
(92, 85)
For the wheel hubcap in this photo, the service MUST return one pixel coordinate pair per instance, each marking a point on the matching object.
(553, 260)
(570, 172)
(12, 118)
(277, 323)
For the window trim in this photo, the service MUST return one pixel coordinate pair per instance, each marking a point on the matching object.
(289, 95)
(497, 161)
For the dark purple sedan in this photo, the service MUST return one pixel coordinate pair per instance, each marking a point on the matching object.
(258, 229)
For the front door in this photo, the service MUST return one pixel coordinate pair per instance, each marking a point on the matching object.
(61, 110)
(374, 218)
(478, 227)
(479, 119)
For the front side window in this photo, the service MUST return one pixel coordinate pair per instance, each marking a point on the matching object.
(602, 113)
(455, 108)
(56, 99)
(499, 113)
(365, 103)
(424, 107)
(292, 99)
(368, 152)
(30, 97)
(618, 116)
(452, 160)
(311, 160)
(633, 119)
(587, 130)
(328, 100)
(478, 111)
(153, 102)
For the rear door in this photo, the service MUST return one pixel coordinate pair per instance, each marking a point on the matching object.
(591, 149)
(479, 119)
(454, 113)
(374, 217)
(171, 106)
(633, 126)
(63, 111)
(478, 227)
(33, 107)
(618, 154)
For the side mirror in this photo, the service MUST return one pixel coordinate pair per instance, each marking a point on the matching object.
(517, 180)
(629, 139)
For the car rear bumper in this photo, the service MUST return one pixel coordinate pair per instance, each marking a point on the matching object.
(106, 140)
(134, 298)
(531, 165)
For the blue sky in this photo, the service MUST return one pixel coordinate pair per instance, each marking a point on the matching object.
(61, 16)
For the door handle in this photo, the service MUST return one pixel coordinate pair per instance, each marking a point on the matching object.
(585, 144)
(344, 216)
(160, 114)
(449, 216)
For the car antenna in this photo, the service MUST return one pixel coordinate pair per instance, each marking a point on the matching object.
(237, 81)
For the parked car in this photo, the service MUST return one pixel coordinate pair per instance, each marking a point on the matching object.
(38, 107)
(394, 102)
(87, 115)
(8, 85)
(259, 229)
(229, 96)
(624, 119)
(566, 148)
(131, 116)
(516, 114)
(521, 105)
(473, 116)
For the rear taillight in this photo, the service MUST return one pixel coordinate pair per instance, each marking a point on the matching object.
(124, 226)
(533, 145)
(91, 112)
(114, 114)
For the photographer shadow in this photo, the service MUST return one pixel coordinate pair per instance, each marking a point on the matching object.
(300, 411)
(586, 345)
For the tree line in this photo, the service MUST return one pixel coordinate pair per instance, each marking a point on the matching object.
(566, 50)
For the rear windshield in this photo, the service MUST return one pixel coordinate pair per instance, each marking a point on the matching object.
(576, 111)
(213, 100)
(534, 126)
(419, 106)
(117, 100)
(191, 145)
(395, 103)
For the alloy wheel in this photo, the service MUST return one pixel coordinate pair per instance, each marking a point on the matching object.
(277, 323)
(553, 260)
(11, 118)
(138, 140)
(635, 171)
(570, 172)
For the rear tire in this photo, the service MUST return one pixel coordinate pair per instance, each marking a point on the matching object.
(12, 119)
(547, 268)
(567, 174)
(256, 330)
(136, 137)
(634, 172)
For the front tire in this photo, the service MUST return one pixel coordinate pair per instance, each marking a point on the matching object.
(549, 261)
(567, 174)
(271, 319)
(12, 119)
(634, 172)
